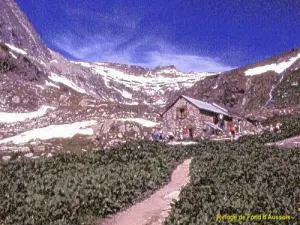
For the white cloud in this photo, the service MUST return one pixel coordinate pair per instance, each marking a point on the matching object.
(147, 52)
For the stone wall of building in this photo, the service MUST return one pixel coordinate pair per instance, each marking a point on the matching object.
(194, 119)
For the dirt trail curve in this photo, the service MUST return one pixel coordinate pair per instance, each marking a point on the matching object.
(154, 210)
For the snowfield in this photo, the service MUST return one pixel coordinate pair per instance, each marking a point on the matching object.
(143, 122)
(278, 68)
(53, 131)
(15, 49)
(6, 117)
(150, 83)
(54, 77)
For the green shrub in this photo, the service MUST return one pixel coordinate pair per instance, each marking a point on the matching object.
(240, 178)
(75, 189)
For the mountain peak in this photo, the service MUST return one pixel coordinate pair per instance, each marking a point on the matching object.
(169, 67)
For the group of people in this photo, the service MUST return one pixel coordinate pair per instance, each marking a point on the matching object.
(275, 129)
(159, 135)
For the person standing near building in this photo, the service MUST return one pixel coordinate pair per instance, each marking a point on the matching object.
(181, 134)
(220, 120)
(231, 129)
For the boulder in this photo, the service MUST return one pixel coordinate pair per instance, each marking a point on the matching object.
(28, 155)
(39, 148)
(6, 158)
(16, 100)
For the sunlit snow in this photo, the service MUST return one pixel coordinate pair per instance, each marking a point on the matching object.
(278, 68)
(159, 102)
(54, 77)
(150, 84)
(41, 87)
(51, 84)
(15, 49)
(13, 55)
(53, 131)
(6, 117)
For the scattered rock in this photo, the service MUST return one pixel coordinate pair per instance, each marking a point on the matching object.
(23, 149)
(62, 98)
(122, 128)
(172, 195)
(6, 158)
(16, 100)
(36, 142)
(28, 155)
(39, 148)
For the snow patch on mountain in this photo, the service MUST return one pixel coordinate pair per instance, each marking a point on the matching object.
(51, 84)
(13, 55)
(84, 64)
(160, 102)
(39, 86)
(54, 77)
(6, 117)
(17, 50)
(124, 93)
(53, 131)
(278, 68)
(146, 83)
(132, 103)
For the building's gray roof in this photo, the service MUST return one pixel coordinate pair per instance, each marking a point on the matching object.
(206, 106)
(213, 125)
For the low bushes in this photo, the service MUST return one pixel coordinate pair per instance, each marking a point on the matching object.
(75, 189)
(242, 178)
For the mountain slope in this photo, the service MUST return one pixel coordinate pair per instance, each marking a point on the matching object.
(254, 86)
(42, 90)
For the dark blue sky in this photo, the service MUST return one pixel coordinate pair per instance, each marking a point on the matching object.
(198, 35)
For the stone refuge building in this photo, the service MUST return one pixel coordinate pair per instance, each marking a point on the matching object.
(196, 116)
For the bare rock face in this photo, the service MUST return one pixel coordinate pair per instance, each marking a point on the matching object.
(16, 29)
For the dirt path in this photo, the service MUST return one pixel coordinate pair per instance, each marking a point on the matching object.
(154, 210)
(293, 142)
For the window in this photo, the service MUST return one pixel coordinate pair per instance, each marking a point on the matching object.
(181, 112)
